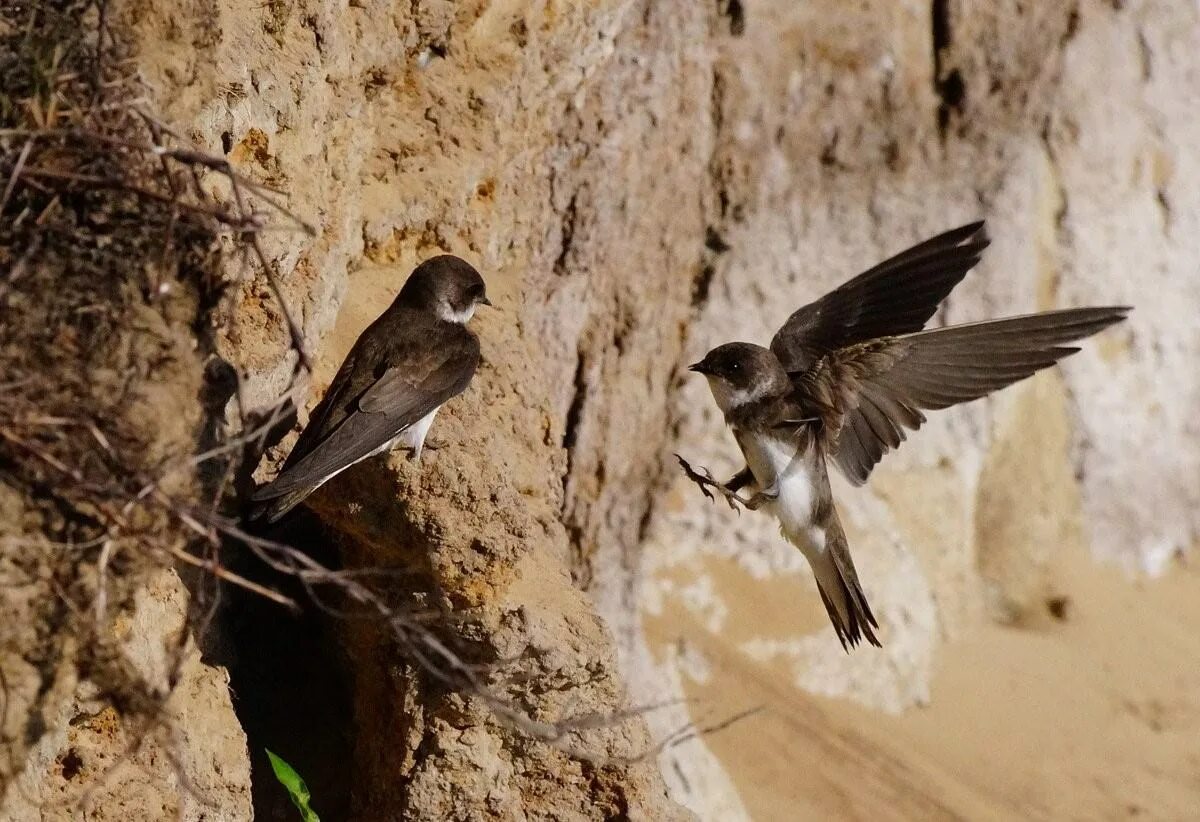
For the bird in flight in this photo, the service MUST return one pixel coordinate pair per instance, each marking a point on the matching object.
(847, 377)
(417, 355)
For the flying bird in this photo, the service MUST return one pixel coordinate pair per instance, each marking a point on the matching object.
(847, 377)
(417, 355)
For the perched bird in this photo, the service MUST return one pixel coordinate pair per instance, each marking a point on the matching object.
(847, 375)
(417, 355)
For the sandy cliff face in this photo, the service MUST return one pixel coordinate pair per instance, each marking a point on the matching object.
(640, 181)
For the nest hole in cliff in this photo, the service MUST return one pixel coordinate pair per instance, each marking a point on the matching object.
(289, 675)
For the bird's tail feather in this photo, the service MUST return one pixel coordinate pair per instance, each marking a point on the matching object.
(837, 582)
(272, 510)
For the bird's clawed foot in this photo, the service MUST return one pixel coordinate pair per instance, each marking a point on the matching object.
(435, 443)
(430, 444)
(704, 478)
(761, 498)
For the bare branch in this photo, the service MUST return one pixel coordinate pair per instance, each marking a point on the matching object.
(16, 172)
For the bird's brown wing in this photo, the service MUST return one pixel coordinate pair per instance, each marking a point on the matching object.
(868, 394)
(361, 418)
(376, 344)
(330, 411)
(898, 296)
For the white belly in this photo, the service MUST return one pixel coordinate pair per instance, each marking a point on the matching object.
(777, 462)
(412, 437)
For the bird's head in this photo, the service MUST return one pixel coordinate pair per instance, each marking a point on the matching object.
(448, 286)
(739, 373)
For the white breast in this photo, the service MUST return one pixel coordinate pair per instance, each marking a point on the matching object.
(777, 461)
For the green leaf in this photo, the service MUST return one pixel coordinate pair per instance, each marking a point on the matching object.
(295, 787)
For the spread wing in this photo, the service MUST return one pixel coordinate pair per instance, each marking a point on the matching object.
(363, 410)
(898, 296)
(868, 394)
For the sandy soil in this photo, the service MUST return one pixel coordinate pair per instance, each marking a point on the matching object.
(1094, 715)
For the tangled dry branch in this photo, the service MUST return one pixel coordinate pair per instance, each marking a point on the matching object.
(114, 247)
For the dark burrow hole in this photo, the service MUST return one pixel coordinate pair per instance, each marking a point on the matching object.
(72, 764)
(1059, 607)
(288, 676)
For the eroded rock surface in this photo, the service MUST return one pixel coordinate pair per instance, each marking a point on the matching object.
(639, 181)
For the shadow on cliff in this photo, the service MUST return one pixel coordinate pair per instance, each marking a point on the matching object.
(290, 680)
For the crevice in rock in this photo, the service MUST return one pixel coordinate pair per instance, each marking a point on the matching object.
(575, 409)
(702, 284)
(568, 235)
(290, 679)
(574, 518)
(1146, 55)
(948, 85)
(715, 243)
(1060, 213)
(736, 12)
(1072, 26)
(575, 534)
(717, 115)
(828, 157)
(1164, 207)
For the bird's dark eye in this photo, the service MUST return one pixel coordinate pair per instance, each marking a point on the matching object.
(737, 366)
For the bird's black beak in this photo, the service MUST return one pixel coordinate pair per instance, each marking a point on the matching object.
(485, 301)
(698, 367)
